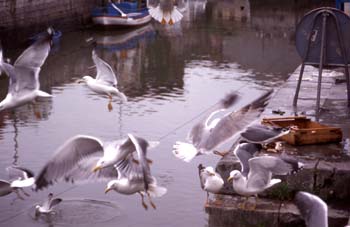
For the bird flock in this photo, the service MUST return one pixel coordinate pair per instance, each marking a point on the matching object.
(124, 163)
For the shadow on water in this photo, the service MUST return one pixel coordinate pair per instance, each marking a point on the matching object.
(170, 74)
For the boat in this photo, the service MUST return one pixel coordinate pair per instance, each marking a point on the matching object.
(124, 13)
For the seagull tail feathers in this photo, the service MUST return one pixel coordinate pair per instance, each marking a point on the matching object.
(156, 191)
(184, 151)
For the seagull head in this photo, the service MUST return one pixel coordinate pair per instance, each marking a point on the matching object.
(85, 79)
(234, 175)
(101, 163)
(210, 171)
(111, 185)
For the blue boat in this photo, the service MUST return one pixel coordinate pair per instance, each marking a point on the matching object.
(121, 14)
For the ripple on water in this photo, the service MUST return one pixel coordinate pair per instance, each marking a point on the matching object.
(79, 212)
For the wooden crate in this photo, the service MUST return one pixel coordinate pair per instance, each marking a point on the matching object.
(306, 132)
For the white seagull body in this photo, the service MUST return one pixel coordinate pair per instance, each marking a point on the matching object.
(210, 180)
(105, 82)
(136, 177)
(23, 75)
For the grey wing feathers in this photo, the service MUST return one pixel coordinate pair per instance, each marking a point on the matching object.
(201, 175)
(35, 55)
(67, 157)
(105, 72)
(54, 202)
(312, 209)
(260, 133)
(244, 152)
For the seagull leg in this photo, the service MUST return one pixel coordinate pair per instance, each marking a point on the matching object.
(149, 161)
(135, 161)
(36, 111)
(150, 201)
(143, 201)
(222, 154)
(207, 201)
(242, 205)
(110, 107)
(18, 195)
(24, 192)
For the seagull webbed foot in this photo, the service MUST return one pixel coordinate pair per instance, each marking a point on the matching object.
(222, 154)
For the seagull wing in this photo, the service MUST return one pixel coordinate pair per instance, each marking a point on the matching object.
(312, 208)
(35, 55)
(244, 152)
(105, 73)
(262, 168)
(17, 172)
(231, 124)
(66, 158)
(54, 202)
(261, 133)
(5, 188)
(201, 130)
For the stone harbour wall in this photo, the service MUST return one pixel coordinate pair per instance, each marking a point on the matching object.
(25, 16)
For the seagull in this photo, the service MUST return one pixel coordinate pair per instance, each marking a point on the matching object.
(205, 136)
(105, 82)
(210, 180)
(263, 134)
(85, 158)
(166, 12)
(24, 74)
(47, 206)
(19, 178)
(245, 151)
(313, 209)
(136, 177)
(259, 177)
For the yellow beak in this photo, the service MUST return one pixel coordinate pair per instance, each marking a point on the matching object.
(229, 179)
(96, 168)
(107, 190)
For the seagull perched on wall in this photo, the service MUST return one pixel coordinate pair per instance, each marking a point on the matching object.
(213, 131)
(210, 180)
(23, 75)
(135, 177)
(260, 173)
(166, 12)
(105, 82)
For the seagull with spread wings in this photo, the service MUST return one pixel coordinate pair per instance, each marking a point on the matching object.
(135, 177)
(85, 158)
(207, 135)
(23, 75)
(166, 12)
(105, 82)
(47, 207)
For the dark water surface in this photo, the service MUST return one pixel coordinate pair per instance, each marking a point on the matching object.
(170, 75)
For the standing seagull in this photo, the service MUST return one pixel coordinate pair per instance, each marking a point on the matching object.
(210, 180)
(24, 74)
(84, 158)
(260, 173)
(19, 178)
(47, 206)
(313, 209)
(135, 177)
(105, 82)
(205, 136)
(166, 12)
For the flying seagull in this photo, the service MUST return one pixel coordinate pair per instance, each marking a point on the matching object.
(23, 75)
(210, 180)
(260, 173)
(166, 12)
(135, 177)
(205, 136)
(19, 178)
(105, 82)
(47, 206)
(84, 158)
(313, 209)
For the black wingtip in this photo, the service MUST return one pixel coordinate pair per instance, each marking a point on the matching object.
(229, 100)
(200, 166)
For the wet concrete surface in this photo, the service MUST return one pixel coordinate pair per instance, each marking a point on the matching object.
(327, 166)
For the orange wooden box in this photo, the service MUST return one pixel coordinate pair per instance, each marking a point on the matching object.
(306, 132)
